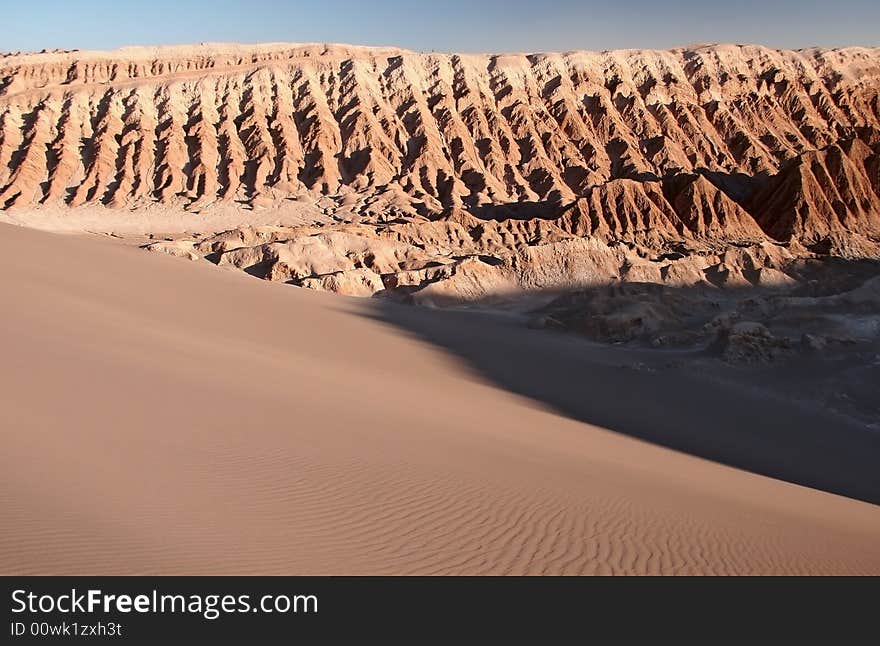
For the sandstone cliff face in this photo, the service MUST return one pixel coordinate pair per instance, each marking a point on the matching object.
(713, 145)
(824, 197)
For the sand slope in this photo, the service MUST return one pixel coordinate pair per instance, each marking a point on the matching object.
(170, 417)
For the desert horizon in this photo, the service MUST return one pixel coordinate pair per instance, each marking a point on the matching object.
(134, 47)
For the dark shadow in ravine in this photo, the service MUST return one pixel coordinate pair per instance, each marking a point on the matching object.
(733, 422)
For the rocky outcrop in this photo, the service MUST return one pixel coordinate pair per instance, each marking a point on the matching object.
(715, 144)
(827, 199)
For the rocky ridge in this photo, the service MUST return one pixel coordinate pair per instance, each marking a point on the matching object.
(718, 143)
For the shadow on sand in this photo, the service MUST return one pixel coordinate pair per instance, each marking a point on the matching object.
(666, 397)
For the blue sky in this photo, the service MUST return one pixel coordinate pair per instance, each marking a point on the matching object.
(453, 25)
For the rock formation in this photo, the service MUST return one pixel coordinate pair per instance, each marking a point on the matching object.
(718, 143)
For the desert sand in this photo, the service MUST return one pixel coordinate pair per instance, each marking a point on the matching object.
(588, 312)
(162, 416)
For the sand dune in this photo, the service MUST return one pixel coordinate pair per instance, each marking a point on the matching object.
(170, 417)
(161, 416)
